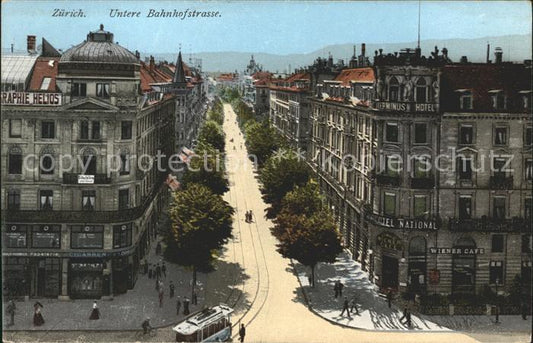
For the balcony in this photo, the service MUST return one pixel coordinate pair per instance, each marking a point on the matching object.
(72, 179)
(487, 224)
(422, 182)
(501, 182)
(388, 180)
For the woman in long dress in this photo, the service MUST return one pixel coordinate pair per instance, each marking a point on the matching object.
(95, 314)
(38, 319)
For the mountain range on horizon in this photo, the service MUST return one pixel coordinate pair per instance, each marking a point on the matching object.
(516, 48)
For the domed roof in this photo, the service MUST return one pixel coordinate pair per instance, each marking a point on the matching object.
(99, 47)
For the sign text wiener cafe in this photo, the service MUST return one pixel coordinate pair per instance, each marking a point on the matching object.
(31, 98)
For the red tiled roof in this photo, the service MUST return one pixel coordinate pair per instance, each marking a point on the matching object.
(357, 75)
(154, 76)
(261, 75)
(298, 76)
(44, 67)
(293, 89)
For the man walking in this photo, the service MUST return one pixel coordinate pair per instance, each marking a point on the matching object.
(354, 305)
(341, 286)
(178, 306)
(404, 316)
(164, 270)
(242, 333)
(345, 307)
(389, 298)
(171, 286)
(10, 309)
(158, 271)
(186, 306)
(161, 295)
(408, 319)
(336, 289)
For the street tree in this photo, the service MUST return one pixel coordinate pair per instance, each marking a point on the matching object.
(201, 224)
(261, 141)
(211, 132)
(206, 167)
(281, 173)
(307, 239)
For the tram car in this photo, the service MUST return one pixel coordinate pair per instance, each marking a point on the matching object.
(212, 324)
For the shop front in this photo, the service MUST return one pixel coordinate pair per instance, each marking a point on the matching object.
(86, 278)
(390, 246)
(417, 266)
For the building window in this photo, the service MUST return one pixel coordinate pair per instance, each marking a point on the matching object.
(392, 165)
(123, 199)
(498, 101)
(86, 237)
(126, 129)
(465, 100)
(420, 206)
(124, 164)
(465, 207)
(15, 236)
(46, 236)
(500, 136)
(421, 90)
(389, 204)
(466, 134)
(15, 162)
(498, 208)
(529, 169)
(497, 243)
(464, 166)
(88, 200)
(47, 129)
(421, 133)
(122, 235)
(15, 128)
(526, 244)
(79, 89)
(84, 130)
(391, 132)
(500, 166)
(102, 90)
(45, 84)
(89, 165)
(528, 138)
(95, 134)
(528, 207)
(496, 272)
(394, 89)
(46, 164)
(421, 167)
(46, 198)
(13, 199)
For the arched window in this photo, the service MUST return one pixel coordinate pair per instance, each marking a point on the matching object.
(46, 161)
(421, 91)
(89, 162)
(394, 89)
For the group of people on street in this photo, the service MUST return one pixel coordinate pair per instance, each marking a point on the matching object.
(407, 317)
(157, 271)
(350, 306)
(186, 302)
(249, 216)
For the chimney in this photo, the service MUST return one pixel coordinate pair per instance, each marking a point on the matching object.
(12, 47)
(137, 54)
(498, 52)
(31, 43)
(152, 63)
(488, 52)
(463, 60)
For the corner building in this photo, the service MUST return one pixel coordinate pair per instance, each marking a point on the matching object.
(80, 230)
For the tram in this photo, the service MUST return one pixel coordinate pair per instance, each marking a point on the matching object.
(212, 324)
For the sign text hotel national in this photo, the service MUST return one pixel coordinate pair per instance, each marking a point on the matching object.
(31, 99)
(404, 223)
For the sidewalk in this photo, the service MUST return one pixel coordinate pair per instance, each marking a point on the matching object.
(374, 313)
(125, 312)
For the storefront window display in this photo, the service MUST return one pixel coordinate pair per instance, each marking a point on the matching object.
(46, 236)
(86, 236)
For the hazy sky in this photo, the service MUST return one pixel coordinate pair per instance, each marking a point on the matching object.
(274, 26)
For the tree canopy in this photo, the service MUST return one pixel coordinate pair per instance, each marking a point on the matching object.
(261, 140)
(207, 168)
(279, 176)
(211, 133)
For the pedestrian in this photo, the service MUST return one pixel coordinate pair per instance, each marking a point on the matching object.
(158, 248)
(171, 287)
(404, 316)
(345, 307)
(336, 289)
(157, 285)
(341, 286)
(251, 217)
(186, 306)
(150, 272)
(164, 270)
(389, 297)
(38, 319)
(10, 309)
(95, 313)
(161, 295)
(523, 309)
(242, 333)
(247, 217)
(178, 306)
(158, 271)
(408, 319)
(194, 298)
(354, 305)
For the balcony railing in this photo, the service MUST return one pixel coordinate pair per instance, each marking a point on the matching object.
(490, 224)
(422, 182)
(388, 180)
(501, 182)
(72, 178)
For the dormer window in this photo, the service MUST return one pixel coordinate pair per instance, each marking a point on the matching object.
(421, 90)
(498, 99)
(465, 99)
(526, 99)
(394, 89)
(102, 90)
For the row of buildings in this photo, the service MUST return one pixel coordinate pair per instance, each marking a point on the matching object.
(426, 164)
(82, 132)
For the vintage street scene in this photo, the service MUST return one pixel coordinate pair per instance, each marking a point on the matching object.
(228, 171)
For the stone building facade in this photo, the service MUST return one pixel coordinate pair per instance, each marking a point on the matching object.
(79, 203)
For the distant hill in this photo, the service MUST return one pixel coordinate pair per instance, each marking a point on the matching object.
(515, 48)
